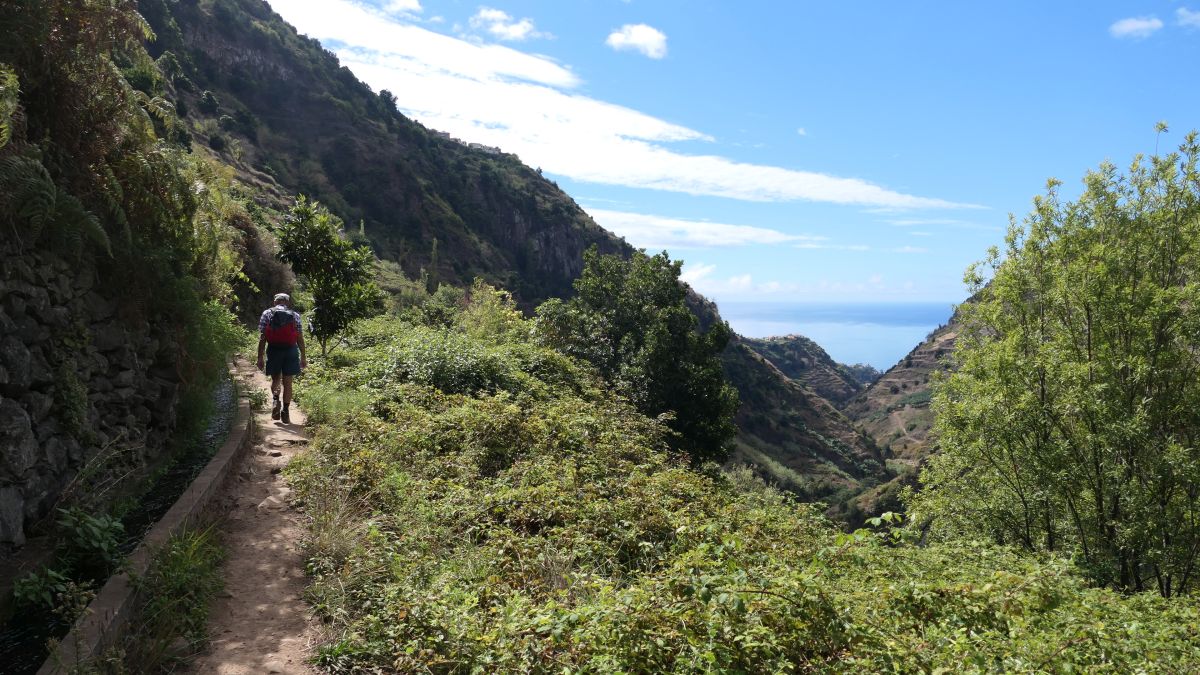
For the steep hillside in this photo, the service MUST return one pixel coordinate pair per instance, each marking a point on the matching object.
(894, 410)
(795, 437)
(280, 109)
(806, 362)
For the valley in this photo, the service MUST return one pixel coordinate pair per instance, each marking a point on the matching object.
(523, 443)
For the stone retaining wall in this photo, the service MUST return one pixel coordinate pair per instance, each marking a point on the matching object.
(80, 375)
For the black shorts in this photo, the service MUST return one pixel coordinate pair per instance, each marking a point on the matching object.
(282, 359)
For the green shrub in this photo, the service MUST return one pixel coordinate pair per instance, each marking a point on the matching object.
(39, 590)
(89, 544)
(478, 504)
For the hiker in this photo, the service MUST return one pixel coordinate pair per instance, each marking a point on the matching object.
(281, 336)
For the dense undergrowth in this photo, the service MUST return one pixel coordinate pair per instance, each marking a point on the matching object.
(480, 503)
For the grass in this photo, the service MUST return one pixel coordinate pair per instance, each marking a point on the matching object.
(176, 591)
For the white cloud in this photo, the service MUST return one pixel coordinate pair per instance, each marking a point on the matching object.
(657, 232)
(523, 103)
(639, 37)
(950, 222)
(502, 26)
(403, 7)
(1135, 27)
(694, 273)
(802, 131)
(700, 277)
(1187, 18)
(910, 249)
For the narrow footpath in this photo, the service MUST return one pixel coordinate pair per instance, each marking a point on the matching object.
(260, 623)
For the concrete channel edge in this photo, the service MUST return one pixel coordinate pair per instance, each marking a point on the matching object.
(109, 614)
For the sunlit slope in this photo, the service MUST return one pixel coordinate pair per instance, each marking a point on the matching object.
(280, 109)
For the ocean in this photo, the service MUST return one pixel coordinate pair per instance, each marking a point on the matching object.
(879, 334)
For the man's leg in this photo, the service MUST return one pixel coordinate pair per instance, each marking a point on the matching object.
(275, 405)
(285, 416)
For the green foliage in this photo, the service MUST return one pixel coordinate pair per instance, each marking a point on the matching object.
(183, 579)
(89, 544)
(70, 398)
(630, 319)
(862, 373)
(335, 272)
(39, 590)
(510, 515)
(8, 103)
(37, 210)
(1069, 424)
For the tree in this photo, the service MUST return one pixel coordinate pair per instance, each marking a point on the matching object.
(1072, 422)
(629, 318)
(336, 272)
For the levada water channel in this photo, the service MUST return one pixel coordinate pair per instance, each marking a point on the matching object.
(24, 639)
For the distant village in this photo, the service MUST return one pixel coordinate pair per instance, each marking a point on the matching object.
(489, 149)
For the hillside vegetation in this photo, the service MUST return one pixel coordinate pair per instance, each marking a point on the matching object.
(481, 503)
(280, 109)
(805, 361)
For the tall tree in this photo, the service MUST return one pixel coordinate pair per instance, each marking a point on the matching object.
(629, 318)
(334, 271)
(1072, 421)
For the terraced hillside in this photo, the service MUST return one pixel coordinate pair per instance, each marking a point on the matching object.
(806, 362)
(894, 411)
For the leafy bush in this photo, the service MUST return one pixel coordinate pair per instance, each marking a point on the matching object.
(1075, 432)
(89, 544)
(39, 590)
(475, 509)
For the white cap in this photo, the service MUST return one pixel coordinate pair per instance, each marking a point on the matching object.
(282, 296)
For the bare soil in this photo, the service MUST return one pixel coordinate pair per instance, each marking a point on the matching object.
(260, 624)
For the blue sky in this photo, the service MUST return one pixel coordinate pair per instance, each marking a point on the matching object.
(789, 152)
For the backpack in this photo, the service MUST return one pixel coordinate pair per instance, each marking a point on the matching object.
(282, 329)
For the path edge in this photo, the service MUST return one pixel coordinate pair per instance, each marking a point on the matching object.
(107, 617)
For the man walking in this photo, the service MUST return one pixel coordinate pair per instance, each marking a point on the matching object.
(281, 336)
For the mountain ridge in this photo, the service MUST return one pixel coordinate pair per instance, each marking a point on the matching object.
(291, 119)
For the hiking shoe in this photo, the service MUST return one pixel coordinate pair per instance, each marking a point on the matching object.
(275, 410)
(284, 417)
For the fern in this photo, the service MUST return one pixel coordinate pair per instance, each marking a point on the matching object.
(36, 207)
(8, 103)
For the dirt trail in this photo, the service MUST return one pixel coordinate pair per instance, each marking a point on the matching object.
(260, 623)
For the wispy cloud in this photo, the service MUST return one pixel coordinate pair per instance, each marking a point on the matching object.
(525, 104)
(701, 277)
(801, 131)
(639, 37)
(910, 249)
(1135, 27)
(403, 7)
(693, 273)
(500, 25)
(949, 222)
(658, 232)
(817, 246)
(1187, 18)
